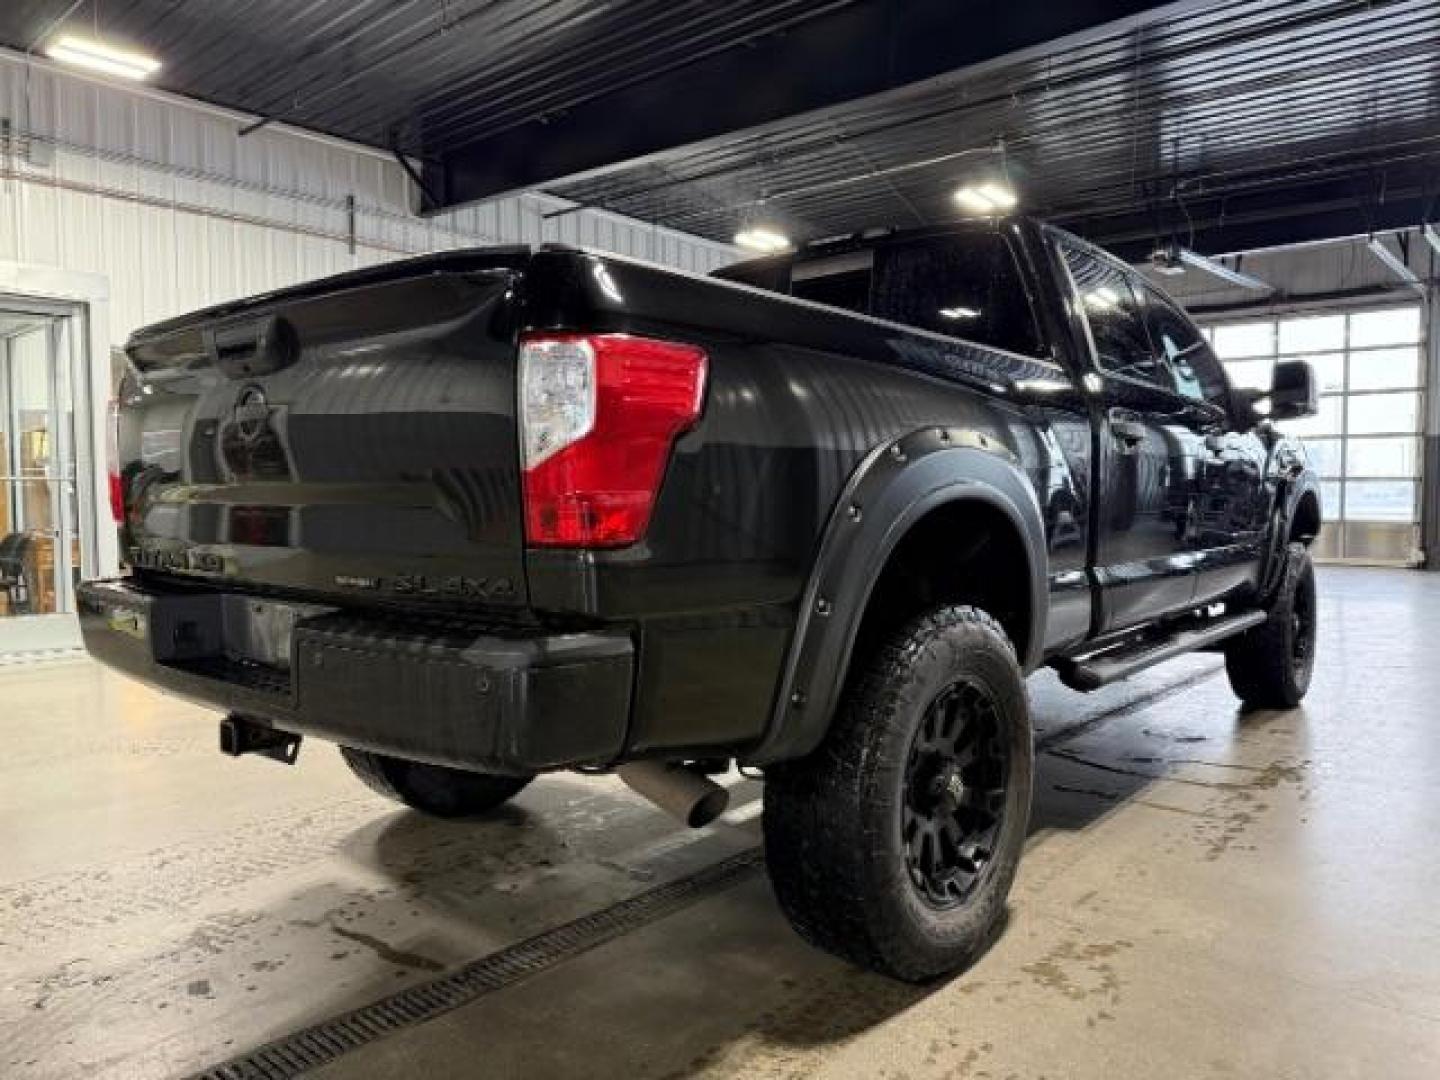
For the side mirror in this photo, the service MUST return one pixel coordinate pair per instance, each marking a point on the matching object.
(1294, 391)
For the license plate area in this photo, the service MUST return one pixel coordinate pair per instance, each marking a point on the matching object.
(239, 639)
(260, 631)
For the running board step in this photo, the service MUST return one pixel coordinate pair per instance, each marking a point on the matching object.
(1102, 669)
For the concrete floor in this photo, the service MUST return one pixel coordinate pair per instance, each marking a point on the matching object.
(1205, 894)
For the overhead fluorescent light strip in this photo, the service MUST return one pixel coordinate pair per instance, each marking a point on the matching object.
(988, 199)
(1214, 267)
(766, 240)
(97, 56)
(1002, 198)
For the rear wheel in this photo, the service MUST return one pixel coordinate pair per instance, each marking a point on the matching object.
(433, 789)
(894, 844)
(1271, 665)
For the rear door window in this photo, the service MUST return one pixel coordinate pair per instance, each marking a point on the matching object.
(967, 286)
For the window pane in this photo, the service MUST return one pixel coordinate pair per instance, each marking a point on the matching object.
(1116, 322)
(1250, 374)
(1388, 326)
(969, 287)
(1382, 457)
(1380, 500)
(1239, 341)
(1376, 413)
(1325, 422)
(842, 281)
(1325, 456)
(1193, 367)
(1312, 334)
(1329, 370)
(1385, 369)
(1330, 500)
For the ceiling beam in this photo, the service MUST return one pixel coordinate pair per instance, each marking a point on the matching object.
(860, 50)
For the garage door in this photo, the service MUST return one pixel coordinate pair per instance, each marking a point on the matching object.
(1365, 442)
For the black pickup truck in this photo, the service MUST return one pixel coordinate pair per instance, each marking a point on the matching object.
(480, 515)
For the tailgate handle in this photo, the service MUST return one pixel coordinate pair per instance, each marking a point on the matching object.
(253, 347)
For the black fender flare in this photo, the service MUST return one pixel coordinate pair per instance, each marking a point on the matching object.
(896, 485)
(1287, 505)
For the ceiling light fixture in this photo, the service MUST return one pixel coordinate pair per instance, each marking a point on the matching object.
(1173, 259)
(764, 240)
(990, 198)
(959, 313)
(1000, 195)
(97, 56)
(1233, 274)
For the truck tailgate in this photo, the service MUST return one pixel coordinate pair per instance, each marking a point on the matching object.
(349, 439)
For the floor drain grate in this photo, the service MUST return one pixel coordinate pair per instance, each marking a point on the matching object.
(314, 1046)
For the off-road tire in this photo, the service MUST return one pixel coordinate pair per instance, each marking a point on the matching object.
(432, 789)
(1270, 666)
(833, 820)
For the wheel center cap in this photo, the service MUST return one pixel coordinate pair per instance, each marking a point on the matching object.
(951, 785)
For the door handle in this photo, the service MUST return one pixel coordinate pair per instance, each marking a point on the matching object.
(1129, 432)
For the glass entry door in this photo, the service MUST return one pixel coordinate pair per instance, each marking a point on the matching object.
(40, 529)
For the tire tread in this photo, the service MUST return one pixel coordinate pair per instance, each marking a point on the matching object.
(816, 816)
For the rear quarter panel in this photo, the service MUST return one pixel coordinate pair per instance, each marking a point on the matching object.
(798, 396)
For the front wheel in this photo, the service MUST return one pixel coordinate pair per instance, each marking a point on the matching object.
(432, 789)
(895, 843)
(1271, 665)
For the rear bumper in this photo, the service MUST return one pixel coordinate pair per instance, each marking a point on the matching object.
(492, 698)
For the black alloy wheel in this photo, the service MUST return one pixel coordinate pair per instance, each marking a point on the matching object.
(954, 802)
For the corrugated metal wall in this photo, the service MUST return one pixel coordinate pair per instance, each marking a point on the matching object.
(164, 198)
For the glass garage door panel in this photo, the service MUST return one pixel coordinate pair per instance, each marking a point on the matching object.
(1380, 500)
(1385, 369)
(1384, 414)
(1391, 456)
(1386, 326)
(1329, 420)
(1311, 334)
(1365, 440)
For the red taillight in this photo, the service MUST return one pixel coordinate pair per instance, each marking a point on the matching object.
(599, 414)
(112, 455)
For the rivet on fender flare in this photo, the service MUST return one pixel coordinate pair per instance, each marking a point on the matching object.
(822, 607)
(797, 699)
(854, 512)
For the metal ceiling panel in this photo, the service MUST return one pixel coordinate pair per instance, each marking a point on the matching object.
(1152, 119)
(1190, 116)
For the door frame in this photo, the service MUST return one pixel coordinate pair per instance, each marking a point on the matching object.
(84, 299)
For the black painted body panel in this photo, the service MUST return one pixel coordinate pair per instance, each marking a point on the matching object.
(379, 470)
(378, 463)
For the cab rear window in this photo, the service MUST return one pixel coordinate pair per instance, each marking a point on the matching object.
(965, 286)
(968, 286)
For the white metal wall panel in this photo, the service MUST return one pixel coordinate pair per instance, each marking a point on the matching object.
(161, 196)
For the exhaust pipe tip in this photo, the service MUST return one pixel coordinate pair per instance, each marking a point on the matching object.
(679, 791)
